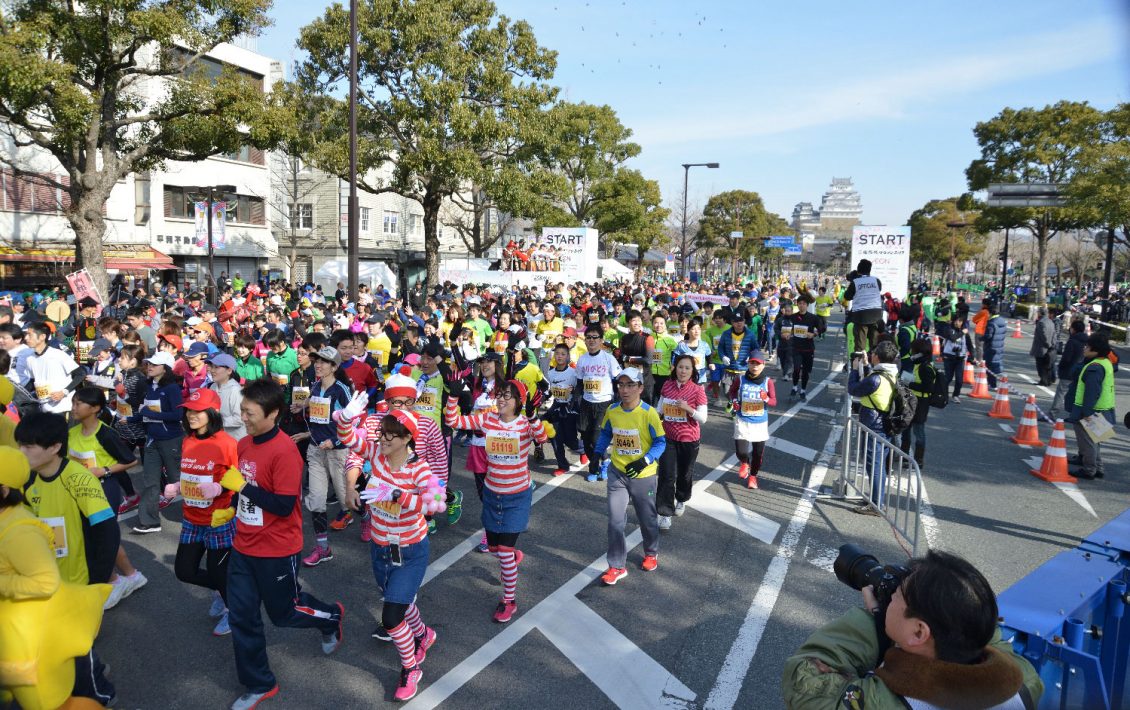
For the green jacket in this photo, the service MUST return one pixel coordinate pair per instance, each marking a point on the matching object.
(850, 646)
(249, 370)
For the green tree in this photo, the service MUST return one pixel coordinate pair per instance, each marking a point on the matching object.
(1100, 188)
(447, 89)
(1033, 146)
(111, 87)
(628, 210)
(946, 232)
(738, 211)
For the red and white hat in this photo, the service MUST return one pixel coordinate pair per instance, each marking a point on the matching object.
(399, 385)
(408, 419)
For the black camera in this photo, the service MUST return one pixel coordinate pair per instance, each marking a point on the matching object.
(857, 568)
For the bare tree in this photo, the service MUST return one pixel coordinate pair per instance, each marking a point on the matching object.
(292, 213)
(476, 218)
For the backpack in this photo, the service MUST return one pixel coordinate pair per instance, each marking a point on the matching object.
(940, 394)
(900, 414)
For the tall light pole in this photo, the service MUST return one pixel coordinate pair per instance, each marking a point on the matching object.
(352, 227)
(686, 177)
(210, 198)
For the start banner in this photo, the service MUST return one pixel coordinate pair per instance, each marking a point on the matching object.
(888, 250)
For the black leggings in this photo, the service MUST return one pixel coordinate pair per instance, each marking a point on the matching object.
(502, 539)
(750, 452)
(392, 615)
(802, 368)
(215, 572)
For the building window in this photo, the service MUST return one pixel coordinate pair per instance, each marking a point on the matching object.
(305, 216)
(390, 222)
(141, 208)
(415, 223)
(245, 154)
(243, 209)
(364, 219)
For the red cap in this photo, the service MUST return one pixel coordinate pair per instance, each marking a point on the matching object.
(173, 339)
(202, 399)
(408, 419)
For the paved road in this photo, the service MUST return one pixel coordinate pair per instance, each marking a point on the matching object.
(744, 576)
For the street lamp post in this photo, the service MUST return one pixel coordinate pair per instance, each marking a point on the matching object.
(686, 177)
(211, 200)
(352, 227)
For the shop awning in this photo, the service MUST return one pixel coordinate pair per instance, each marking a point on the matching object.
(134, 258)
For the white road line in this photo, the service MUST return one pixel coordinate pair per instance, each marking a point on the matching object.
(628, 676)
(735, 516)
(788, 447)
(724, 695)
(1070, 490)
(1029, 380)
(821, 411)
(1007, 428)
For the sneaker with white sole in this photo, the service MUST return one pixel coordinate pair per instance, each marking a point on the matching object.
(250, 701)
(218, 607)
(664, 522)
(613, 575)
(318, 556)
(382, 634)
(133, 582)
(423, 643)
(140, 529)
(128, 504)
(117, 593)
(409, 683)
(680, 508)
(222, 628)
(331, 641)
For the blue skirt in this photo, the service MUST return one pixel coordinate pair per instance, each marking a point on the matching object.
(507, 513)
(400, 584)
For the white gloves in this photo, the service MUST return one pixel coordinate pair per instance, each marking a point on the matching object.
(354, 409)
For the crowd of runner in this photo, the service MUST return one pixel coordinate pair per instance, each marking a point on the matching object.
(278, 402)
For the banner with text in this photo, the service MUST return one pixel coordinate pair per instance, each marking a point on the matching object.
(219, 225)
(888, 250)
(560, 254)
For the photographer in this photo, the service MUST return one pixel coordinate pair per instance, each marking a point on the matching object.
(927, 637)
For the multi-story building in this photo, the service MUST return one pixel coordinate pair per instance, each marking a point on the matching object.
(840, 209)
(150, 217)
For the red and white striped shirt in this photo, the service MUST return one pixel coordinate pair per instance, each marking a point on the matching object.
(508, 446)
(430, 443)
(405, 516)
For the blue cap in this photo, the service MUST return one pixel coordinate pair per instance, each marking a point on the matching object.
(222, 360)
(196, 349)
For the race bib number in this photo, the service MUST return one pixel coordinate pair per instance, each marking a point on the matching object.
(699, 362)
(124, 409)
(656, 357)
(299, 395)
(59, 528)
(319, 410)
(153, 405)
(593, 386)
(190, 489)
(282, 380)
(753, 409)
(627, 442)
(800, 331)
(786, 332)
(43, 392)
(86, 459)
(503, 446)
(249, 513)
(672, 412)
(386, 511)
(560, 393)
(426, 402)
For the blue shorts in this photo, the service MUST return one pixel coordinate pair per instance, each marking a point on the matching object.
(507, 513)
(220, 538)
(716, 373)
(400, 584)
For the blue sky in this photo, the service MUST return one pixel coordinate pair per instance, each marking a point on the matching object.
(787, 95)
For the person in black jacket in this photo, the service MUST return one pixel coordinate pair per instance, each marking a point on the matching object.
(921, 359)
(1071, 357)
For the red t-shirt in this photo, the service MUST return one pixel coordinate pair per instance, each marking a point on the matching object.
(360, 375)
(201, 460)
(275, 466)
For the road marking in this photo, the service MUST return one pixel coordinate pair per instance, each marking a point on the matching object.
(628, 676)
(724, 695)
(1005, 427)
(788, 447)
(1029, 380)
(821, 411)
(820, 556)
(1071, 490)
(735, 516)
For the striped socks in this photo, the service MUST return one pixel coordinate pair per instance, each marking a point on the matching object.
(508, 560)
(405, 644)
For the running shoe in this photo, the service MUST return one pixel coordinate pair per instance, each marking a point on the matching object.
(130, 503)
(431, 527)
(743, 470)
(505, 611)
(250, 701)
(584, 460)
(343, 520)
(650, 562)
(560, 472)
(455, 508)
(366, 531)
(483, 546)
(751, 482)
(613, 575)
(591, 478)
(680, 508)
(409, 683)
(803, 396)
(222, 628)
(381, 634)
(331, 641)
(664, 522)
(423, 643)
(140, 529)
(956, 399)
(539, 454)
(117, 593)
(133, 582)
(164, 502)
(318, 556)
(218, 607)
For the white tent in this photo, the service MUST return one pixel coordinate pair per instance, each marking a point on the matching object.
(612, 269)
(370, 272)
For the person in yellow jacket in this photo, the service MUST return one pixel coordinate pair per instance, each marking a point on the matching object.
(45, 622)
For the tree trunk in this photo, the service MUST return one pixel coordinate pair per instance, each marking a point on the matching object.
(292, 262)
(1042, 262)
(477, 230)
(89, 225)
(431, 204)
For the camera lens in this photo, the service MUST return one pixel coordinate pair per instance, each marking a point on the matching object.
(855, 567)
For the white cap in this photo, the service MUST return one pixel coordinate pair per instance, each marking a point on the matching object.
(161, 358)
(632, 373)
(195, 320)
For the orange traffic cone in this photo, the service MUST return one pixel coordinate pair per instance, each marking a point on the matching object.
(1017, 333)
(1028, 434)
(967, 375)
(980, 383)
(937, 344)
(1054, 467)
(1002, 408)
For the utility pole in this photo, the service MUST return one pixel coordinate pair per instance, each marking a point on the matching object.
(683, 240)
(353, 228)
